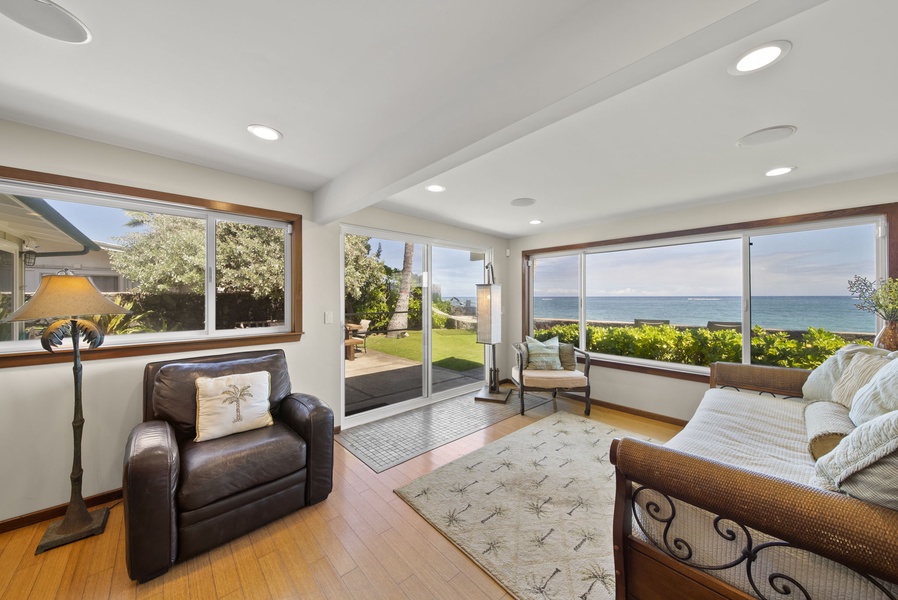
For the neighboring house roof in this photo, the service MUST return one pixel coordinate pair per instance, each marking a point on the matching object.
(41, 227)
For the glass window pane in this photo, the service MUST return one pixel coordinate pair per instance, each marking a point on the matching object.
(7, 286)
(249, 275)
(678, 303)
(556, 298)
(457, 357)
(801, 311)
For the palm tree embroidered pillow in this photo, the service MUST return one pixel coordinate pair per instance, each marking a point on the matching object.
(231, 404)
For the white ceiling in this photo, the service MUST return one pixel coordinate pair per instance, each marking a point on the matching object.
(596, 108)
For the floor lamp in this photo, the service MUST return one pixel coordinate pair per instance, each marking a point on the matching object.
(67, 297)
(489, 331)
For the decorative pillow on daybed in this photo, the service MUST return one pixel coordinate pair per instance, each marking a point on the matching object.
(827, 423)
(231, 404)
(823, 379)
(860, 371)
(865, 464)
(878, 397)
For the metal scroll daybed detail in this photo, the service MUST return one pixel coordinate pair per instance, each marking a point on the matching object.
(750, 515)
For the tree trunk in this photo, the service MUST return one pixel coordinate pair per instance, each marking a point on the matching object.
(399, 320)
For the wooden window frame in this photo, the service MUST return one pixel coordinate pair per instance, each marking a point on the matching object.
(21, 359)
(888, 211)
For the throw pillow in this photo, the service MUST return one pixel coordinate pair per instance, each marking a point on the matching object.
(827, 424)
(231, 404)
(567, 357)
(820, 382)
(859, 372)
(543, 355)
(878, 397)
(865, 464)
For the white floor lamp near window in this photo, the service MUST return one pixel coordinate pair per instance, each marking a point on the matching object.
(489, 331)
(67, 297)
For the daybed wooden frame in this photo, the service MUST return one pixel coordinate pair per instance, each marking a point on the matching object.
(857, 534)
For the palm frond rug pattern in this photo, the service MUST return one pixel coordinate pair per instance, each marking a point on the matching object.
(533, 509)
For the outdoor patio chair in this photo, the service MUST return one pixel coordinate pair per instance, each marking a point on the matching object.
(362, 333)
(568, 380)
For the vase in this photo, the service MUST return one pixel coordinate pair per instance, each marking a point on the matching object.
(888, 337)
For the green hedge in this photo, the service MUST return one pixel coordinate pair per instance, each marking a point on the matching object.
(700, 346)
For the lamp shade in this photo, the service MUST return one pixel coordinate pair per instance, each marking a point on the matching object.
(489, 313)
(65, 296)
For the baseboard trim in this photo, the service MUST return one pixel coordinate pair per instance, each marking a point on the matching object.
(640, 413)
(55, 512)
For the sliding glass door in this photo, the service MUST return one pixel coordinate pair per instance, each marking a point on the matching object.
(409, 321)
(456, 357)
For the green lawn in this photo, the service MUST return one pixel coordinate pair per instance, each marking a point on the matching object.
(454, 349)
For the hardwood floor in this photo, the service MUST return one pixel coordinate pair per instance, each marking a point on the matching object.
(363, 542)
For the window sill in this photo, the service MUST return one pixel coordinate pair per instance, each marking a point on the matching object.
(689, 373)
(62, 355)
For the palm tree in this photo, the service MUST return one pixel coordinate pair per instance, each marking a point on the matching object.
(399, 320)
(236, 395)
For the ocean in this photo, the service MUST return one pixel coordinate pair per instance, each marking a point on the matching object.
(833, 313)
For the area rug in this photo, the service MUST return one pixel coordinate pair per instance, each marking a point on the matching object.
(388, 442)
(533, 509)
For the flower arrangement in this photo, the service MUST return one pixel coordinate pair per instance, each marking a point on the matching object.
(876, 297)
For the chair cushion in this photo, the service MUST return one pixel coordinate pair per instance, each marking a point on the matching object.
(174, 388)
(551, 379)
(225, 466)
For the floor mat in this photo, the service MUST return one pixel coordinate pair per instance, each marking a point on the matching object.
(394, 440)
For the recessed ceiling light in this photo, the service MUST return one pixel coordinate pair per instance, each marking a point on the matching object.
(435, 187)
(762, 137)
(779, 171)
(760, 57)
(264, 132)
(523, 202)
(535, 222)
(47, 18)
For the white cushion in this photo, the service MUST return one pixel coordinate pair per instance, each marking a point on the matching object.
(859, 372)
(865, 464)
(878, 397)
(827, 424)
(231, 404)
(550, 379)
(822, 380)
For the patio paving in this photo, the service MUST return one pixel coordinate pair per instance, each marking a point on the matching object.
(377, 379)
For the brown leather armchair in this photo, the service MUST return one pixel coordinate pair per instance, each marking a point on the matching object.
(182, 497)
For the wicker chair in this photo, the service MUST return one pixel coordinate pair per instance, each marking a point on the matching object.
(569, 381)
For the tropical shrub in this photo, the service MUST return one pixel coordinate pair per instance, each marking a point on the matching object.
(701, 346)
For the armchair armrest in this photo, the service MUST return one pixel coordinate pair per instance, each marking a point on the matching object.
(520, 355)
(150, 476)
(586, 361)
(846, 530)
(785, 381)
(313, 420)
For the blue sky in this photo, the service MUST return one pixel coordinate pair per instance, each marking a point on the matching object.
(811, 263)
(99, 223)
(453, 270)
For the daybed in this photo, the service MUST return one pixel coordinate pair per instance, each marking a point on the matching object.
(734, 506)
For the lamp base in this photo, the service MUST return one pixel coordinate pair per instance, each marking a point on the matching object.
(488, 396)
(53, 539)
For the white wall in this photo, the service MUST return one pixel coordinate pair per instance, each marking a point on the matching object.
(36, 402)
(662, 395)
